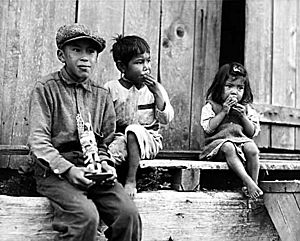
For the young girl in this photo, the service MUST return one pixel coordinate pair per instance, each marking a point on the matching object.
(141, 104)
(229, 123)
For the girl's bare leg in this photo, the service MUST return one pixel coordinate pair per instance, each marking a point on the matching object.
(133, 163)
(252, 155)
(237, 166)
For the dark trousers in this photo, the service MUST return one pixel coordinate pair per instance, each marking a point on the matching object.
(77, 211)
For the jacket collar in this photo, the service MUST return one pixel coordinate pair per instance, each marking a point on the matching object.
(69, 81)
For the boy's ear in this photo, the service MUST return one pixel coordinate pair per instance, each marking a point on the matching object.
(60, 55)
(121, 66)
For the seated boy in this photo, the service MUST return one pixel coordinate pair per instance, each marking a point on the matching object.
(72, 120)
(141, 105)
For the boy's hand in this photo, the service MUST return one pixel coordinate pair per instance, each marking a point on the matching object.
(75, 175)
(107, 168)
(151, 83)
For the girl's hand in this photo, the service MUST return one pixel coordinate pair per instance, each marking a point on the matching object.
(240, 110)
(230, 102)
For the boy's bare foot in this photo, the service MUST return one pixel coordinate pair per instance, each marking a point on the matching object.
(254, 191)
(130, 188)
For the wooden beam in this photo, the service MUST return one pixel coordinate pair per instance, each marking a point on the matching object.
(282, 200)
(284, 186)
(278, 115)
(166, 215)
(207, 165)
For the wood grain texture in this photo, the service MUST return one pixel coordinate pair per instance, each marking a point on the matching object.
(283, 165)
(258, 56)
(283, 209)
(28, 34)
(205, 64)
(142, 18)
(190, 216)
(284, 67)
(107, 17)
(176, 62)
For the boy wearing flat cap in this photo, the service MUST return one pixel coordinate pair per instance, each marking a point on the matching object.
(72, 121)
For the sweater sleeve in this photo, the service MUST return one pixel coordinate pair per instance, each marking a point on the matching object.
(167, 114)
(207, 114)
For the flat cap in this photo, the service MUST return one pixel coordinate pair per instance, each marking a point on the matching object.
(68, 33)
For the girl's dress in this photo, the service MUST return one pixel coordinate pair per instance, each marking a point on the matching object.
(136, 111)
(230, 130)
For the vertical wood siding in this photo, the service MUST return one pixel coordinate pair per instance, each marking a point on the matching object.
(184, 37)
(272, 59)
(28, 51)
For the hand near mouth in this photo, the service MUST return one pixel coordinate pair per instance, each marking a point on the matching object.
(150, 82)
(153, 86)
(239, 109)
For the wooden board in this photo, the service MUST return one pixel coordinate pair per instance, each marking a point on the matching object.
(258, 56)
(284, 67)
(166, 215)
(107, 17)
(297, 80)
(283, 209)
(143, 19)
(28, 34)
(176, 66)
(283, 165)
(271, 58)
(206, 59)
(287, 186)
(282, 200)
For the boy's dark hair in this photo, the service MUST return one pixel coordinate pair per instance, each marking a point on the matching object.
(126, 47)
(226, 71)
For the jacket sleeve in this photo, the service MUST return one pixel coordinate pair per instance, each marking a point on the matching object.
(39, 140)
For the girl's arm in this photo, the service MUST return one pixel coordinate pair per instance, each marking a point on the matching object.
(209, 120)
(212, 120)
(249, 119)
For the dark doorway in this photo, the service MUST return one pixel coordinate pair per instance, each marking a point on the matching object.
(232, 32)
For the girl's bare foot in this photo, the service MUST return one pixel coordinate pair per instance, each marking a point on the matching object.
(130, 189)
(254, 191)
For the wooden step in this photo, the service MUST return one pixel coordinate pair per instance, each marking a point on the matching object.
(282, 200)
(265, 164)
(166, 215)
(189, 159)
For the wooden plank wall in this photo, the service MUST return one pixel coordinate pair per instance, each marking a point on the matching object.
(27, 37)
(272, 59)
(184, 37)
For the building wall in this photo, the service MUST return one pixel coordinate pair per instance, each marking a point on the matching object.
(272, 59)
(184, 37)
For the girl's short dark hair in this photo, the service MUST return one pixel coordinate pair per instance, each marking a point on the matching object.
(233, 70)
(126, 47)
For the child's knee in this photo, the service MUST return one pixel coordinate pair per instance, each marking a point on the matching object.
(251, 149)
(228, 148)
(131, 137)
(129, 214)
